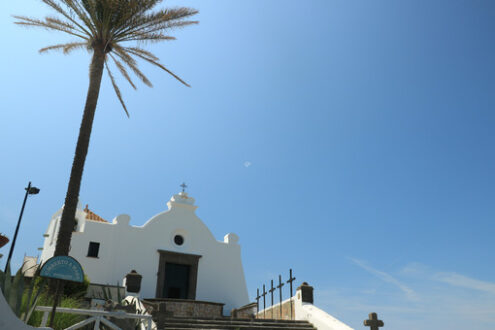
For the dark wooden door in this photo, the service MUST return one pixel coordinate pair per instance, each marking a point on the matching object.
(176, 284)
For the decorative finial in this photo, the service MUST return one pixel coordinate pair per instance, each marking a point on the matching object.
(184, 186)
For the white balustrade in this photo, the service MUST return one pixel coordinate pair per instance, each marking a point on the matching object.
(96, 316)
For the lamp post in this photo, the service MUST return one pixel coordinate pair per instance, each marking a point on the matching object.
(29, 191)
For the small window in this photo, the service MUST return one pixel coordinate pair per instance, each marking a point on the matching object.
(93, 249)
(178, 239)
(75, 226)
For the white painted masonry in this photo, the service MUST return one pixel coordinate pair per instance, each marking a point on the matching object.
(124, 247)
(306, 312)
(319, 318)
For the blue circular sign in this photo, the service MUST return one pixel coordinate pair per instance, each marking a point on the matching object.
(63, 268)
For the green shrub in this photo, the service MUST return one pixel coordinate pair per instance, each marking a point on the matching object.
(13, 289)
(20, 298)
(61, 320)
(74, 289)
(23, 299)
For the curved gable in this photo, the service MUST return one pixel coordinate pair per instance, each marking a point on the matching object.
(182, 220)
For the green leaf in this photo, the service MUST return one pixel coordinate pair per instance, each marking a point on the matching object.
(2, 281)
(7, 284)
(32, 303)
(16, 291)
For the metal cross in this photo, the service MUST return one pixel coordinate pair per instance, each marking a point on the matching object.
(291, 279)
(184, 186)
(271, 291)
(258, 301)
(279, 286)
(374, 323)
(264, 304)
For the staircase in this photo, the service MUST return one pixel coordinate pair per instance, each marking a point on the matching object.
(175, 323)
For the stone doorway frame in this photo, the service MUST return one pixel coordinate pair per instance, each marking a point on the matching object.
(191, 260)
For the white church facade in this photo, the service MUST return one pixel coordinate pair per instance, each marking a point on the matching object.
(182, 265)
(174, 251)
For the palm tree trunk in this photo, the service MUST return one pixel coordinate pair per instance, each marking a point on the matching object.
(71, 199)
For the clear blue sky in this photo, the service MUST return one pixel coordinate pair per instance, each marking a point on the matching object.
(368, 127)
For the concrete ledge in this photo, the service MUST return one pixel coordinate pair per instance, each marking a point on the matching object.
(245, 312)
(166, 307)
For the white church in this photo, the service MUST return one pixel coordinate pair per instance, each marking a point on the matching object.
(179, 260)
(174, 251)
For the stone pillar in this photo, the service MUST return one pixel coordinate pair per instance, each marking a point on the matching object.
(132, 283)
(305, 293)
(162, 315)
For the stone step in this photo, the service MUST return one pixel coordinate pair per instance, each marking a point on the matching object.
(231, 324)
(226, 328)
(231, 320)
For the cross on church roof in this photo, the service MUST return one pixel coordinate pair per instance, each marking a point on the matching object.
(184, 186)
(374, 323)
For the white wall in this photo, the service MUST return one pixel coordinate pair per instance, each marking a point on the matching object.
(124, 247)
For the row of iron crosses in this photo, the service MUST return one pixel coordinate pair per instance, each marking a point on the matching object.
(279, 287)
(373, 322)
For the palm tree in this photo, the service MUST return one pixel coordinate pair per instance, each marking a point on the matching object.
(105, 28)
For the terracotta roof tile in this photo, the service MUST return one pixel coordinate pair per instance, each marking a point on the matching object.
(93, 216)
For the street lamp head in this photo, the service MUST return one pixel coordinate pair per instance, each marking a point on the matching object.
(33, 191)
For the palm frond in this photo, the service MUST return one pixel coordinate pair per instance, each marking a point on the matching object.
(161, 66)
(62, 24)
(151, 37)
(131, 63)
(70, 17)
(66, 48)
(171, 25)
(104, 25)
(122, 70)
(116, 89)
(133, 10)
(142, 52)
(159, 21)
(26, 21)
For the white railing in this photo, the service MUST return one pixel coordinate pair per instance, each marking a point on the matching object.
(96, 316)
